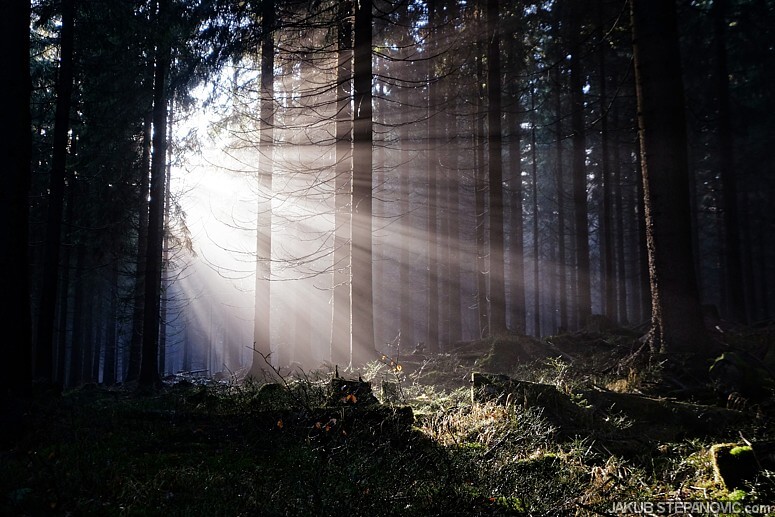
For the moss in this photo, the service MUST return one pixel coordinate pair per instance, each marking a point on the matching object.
(740, 451)
(737, 495)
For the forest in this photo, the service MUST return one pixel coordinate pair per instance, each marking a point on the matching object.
(426, 257)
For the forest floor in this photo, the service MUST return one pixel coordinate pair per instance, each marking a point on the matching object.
(578, 424)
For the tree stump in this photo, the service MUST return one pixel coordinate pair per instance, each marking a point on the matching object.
(346, 392)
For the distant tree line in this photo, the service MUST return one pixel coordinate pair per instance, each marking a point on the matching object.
(457, 170)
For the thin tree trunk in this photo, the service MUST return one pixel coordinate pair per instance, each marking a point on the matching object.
(580, 210)
(407, 229)
(454, 241)
(363, 297)
(726, 144)
(516, 281)
(76, 344)
(341, 331)
(607, 217)
(495, 173)
(560, 188)
(65, 282)
(432, 169)
(480, 200)
(136, 342)
(165, 276)
(644, 287)
(262, 315)
(96, 313)
(536, 243)
(111, 343)
(621, 273)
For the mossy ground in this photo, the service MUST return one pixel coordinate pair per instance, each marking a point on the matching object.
(238, 449)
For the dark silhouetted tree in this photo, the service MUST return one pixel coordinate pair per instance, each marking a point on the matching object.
(16, 149)
(45, 337)
(676, 317)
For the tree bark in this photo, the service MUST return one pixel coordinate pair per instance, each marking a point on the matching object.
(341, 331)
(262, 314)
(165, 275)
(362, 278)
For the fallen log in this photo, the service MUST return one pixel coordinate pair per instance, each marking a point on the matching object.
(611, 417)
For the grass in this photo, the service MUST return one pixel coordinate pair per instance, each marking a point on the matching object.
(253, 449)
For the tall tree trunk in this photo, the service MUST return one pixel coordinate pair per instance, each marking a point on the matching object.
(111, 342)
(621, 273)
(64, 289)
(495, 173)
(64, 90)
(16, 150)
(536, 243)
(454, 241)
(580, 211)
(165, 275)
(96, 313)
(79, 301)
(407, 229)
(607, 216)
(362, 288)
(643, 296)
(341, 330)
(516, 281)
(676, 321)
(432, 169)
(149, 362)
(726, 144)
(480, 199)
(262, 315)
(561, 197)
(136, 341)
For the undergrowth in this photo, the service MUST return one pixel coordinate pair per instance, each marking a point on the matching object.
(277, 448)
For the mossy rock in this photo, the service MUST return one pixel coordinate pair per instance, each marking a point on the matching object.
(733, 464)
